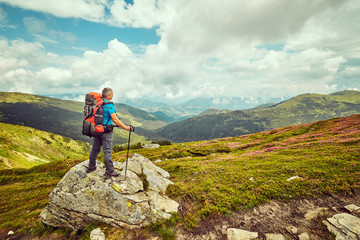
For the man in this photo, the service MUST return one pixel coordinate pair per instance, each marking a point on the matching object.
(105, 139)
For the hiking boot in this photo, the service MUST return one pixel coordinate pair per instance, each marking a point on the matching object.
(89, 170)
(113, 174)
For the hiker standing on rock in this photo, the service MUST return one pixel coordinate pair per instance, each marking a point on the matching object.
(105, 139)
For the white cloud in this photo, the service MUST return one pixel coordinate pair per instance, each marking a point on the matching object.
(3, 17)
(205, 25)
(21, 87)
(20, 54)
(333, 29)
(3, 20)
(207, 47)
(26, 64)
(145, 14)
(44, 39)
(34, 25)
(41, 33)
(141, 14)
(92, 10)
(55, 76)
(348, 78)
(19, 80)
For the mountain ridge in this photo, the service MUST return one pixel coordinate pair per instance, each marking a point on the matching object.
(195, 106)
(301, 109)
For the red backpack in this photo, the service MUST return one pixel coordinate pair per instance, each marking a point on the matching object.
(93, 115)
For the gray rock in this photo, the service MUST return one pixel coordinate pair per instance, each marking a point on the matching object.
(293, 230)
(97, 234)
(304, 236)
(274, 236)
(344, 226)
(352, 208)
(239, 234)
(292, 178)
(82, 198)
(318, 212)
(224, 229)
(151, 146)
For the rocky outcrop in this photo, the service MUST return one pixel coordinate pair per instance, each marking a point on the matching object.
(81, 198)
(344, 226)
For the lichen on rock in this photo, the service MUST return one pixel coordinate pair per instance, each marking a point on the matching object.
(81, 198)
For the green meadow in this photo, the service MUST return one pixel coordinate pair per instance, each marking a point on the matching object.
(25, 147)
(219, 176)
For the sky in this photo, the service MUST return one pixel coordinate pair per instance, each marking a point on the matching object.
(175, 50)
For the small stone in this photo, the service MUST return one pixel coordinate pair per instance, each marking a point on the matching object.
(274, 236)
(151, 146)
(212, 236)
(158, 161)
(239, 234)
(304, 236)
(292, 230)
(352, 208)
(292, 178)
(224, 229)
(97, 234)
(316, 213)
(256, 212)
(11, 233)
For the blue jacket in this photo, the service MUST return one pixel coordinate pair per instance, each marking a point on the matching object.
(108, 110)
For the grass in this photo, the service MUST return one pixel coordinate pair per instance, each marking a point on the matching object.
(24, 193)
(25, 147)
(217, 176)
(238, 173)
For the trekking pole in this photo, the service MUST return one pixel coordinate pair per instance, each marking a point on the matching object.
(127, 155)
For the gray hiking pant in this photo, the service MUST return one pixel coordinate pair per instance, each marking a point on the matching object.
(104, 140)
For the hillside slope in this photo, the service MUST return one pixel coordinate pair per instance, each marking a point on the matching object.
(65, 117)
(24, 147)
(217, 179)
(298, 110)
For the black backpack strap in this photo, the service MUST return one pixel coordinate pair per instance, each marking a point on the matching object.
(106, 103)
(108, 121)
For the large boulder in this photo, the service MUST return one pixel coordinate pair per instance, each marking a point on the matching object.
(81, 198)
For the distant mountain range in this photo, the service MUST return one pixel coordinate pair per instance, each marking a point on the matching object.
(193, 107)
(65, 117)
(304, 108)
